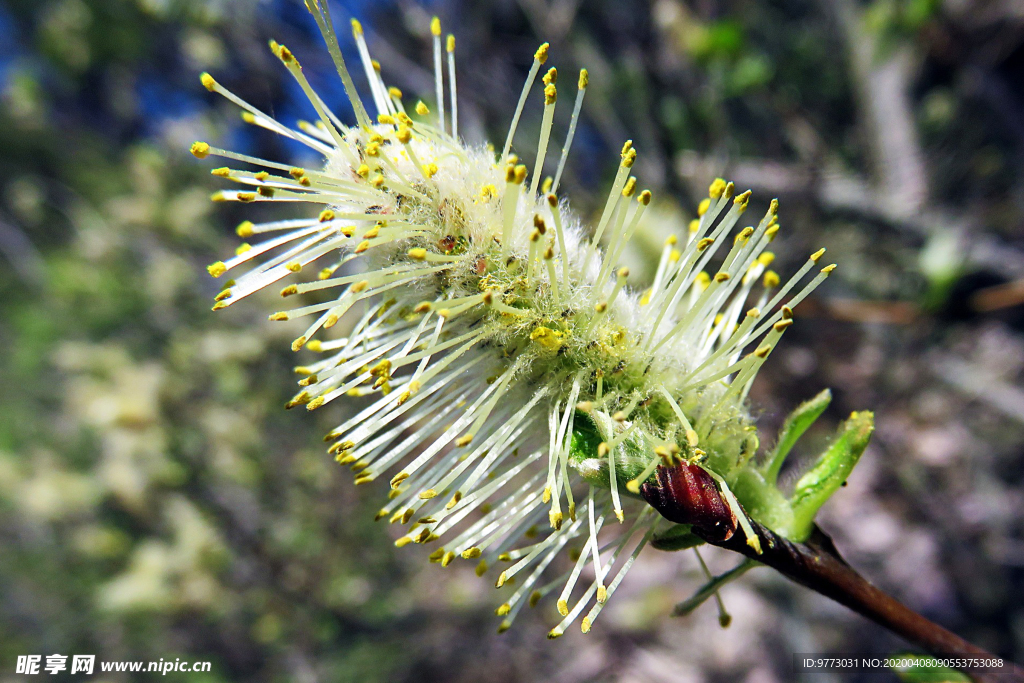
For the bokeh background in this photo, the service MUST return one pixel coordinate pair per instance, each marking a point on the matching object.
(157, 502)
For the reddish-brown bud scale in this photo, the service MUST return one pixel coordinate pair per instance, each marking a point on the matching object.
(686, 494)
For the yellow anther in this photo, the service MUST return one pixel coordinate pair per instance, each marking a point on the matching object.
(386, 119)
(503, 609)
(602, 594)
(456, 497)
(550, 93)
(285, 55)
(703, 207)
(766, 259)
(502, 578)
(828, 269)
(541, 55)
(787, 313)
(289, 290)
(472, 553)
(394, 93)
(381, 369)
(217, 269)
(704, 243)
(447, 559)
(245, 229)
(629, 188)
(817, 255)
(716, 189)
(331, 321)
(585, 625)
(721, 277)
(435, 26)
(551, 76)
(782, 324)
(629, 158)
(404, 134)
(403, 541)
(417, 253)
(555, 519)
(223, 172)
(450, 43)
(519, 174)
(763, 351)
(200, 149)
(548, 338)
(242, 248)
(246, 196)
(398, 479)
(363, 171)
(464, 440)
(316, 346)
(315, 403)
(584, 79)
(279, 316)
(294, 266)
(601, 306)
(771, 279)
(222, 295)
(481, 568)
(645, 197)
(357, 28)
(359, 286)
(208, 81)
(741, 200)
(430, 170)
(363, 246)
(421, 108)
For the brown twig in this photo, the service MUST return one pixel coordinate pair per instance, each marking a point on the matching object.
(817, 565)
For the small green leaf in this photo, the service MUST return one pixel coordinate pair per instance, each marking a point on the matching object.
(829, 472)
(763, 501)
(924, 669)
(796, 424)
(678, 537)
